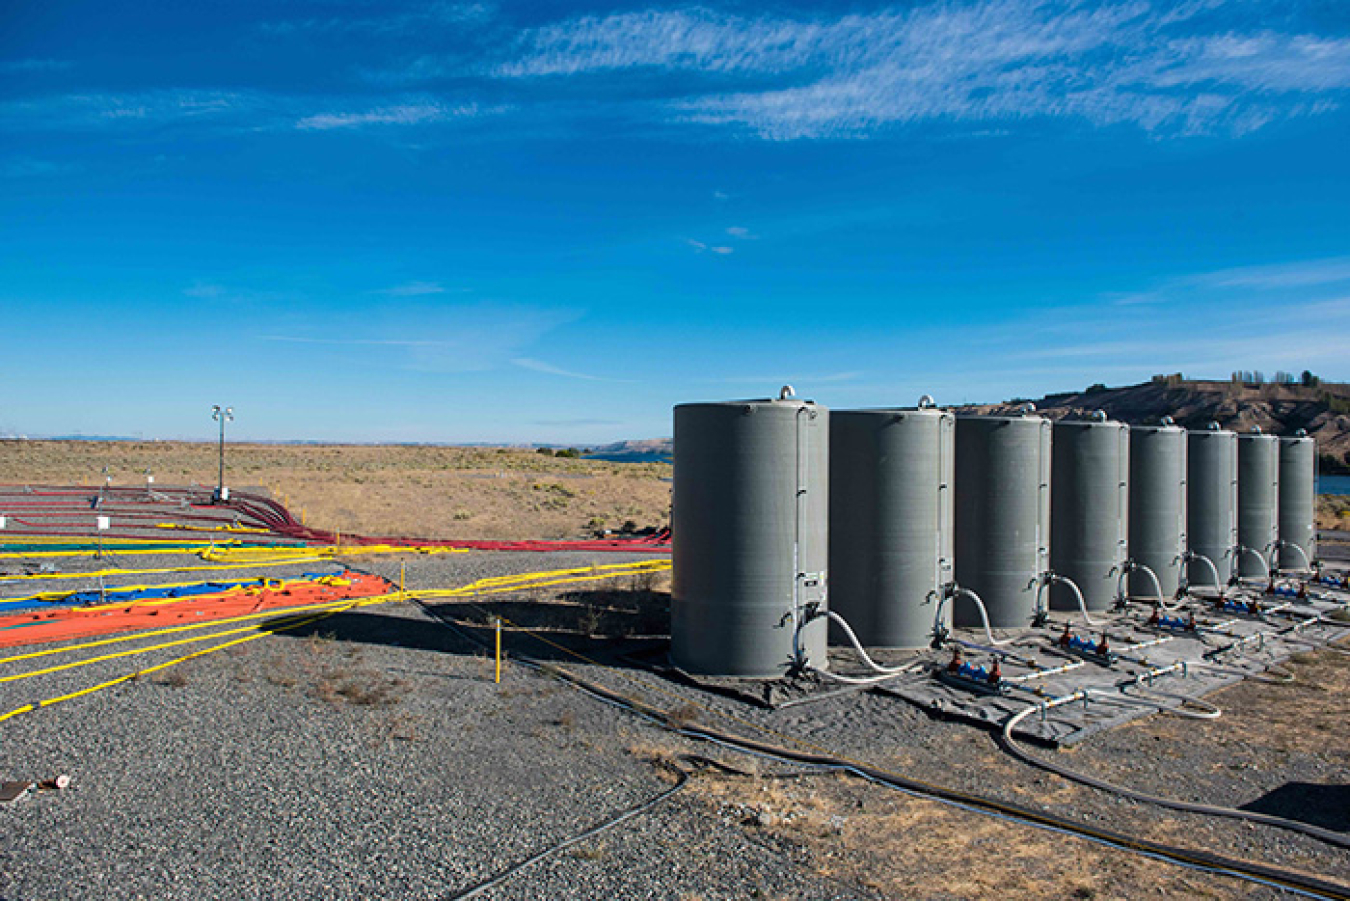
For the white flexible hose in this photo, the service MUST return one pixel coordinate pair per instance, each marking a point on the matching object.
(1214, 570)
(1082, 604)
(1211, 712)
(863, 680)
(1157, 586)
(1282, 677)
(1307, 564)
(857, 646)
(984, 617)
(1243, 549)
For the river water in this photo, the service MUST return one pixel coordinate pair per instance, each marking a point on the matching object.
(1333, 485)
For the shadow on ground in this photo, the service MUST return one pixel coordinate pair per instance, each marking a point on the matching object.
(378, 628)
(1327, 806)
(607, 626)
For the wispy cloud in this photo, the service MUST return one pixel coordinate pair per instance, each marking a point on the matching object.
(203, 290)
(360, 342)
(694, 39)
(430, 335)
(413, 289)
(1134, 298)
(401, 114)
(973, 66)
(704, 247)
(1304, 274)
(1239, 283)
(1261, 317)
(28, 167)
(1163, 68)
(548, 368)
(417, 18)
(85, 111)
(237, 111)
(35, 65)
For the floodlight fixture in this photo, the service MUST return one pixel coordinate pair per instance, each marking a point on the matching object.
(222, 415)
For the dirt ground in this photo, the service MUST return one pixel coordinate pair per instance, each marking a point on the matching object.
(419, 491)
(431, 492)
(847, 838)
(897, 846)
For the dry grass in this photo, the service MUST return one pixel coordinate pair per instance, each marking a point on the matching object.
(397, 727)
(363, 688)
(888, 845)
(1333, 511)
(174, 678)
(893, 846)
(332, 671)
(594, 852)
(1306, 720)
(430, 492)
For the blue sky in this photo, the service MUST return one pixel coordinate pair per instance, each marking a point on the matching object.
(477, 222)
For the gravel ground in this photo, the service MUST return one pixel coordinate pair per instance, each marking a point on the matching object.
(371, 755)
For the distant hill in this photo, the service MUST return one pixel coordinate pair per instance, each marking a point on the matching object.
(1322, 409)
(633, 451)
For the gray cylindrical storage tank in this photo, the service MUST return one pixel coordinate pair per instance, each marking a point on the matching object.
(1211, 502)
(1258, 500)
(1089, 502)
(1002, 516)
(891, 521)
(1157, 506)
(749, 518)
(1298, 495)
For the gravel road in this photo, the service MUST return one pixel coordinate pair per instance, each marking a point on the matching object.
(370, 755)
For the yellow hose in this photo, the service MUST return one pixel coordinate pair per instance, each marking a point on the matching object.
(336, 581)
(492, 585)
(49, 702)
(168, 569)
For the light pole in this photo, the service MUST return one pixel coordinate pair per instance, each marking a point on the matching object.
(222, 415)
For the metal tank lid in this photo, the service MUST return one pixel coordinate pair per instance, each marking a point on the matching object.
(1166, 424)
(1213, 429)
(1097, 419)
(1026, 413)
(925, 407)
(1298, 437)
(786, 397)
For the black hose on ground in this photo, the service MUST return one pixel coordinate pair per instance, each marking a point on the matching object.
(494, 881)
(1009, 744)
(1289, 880)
